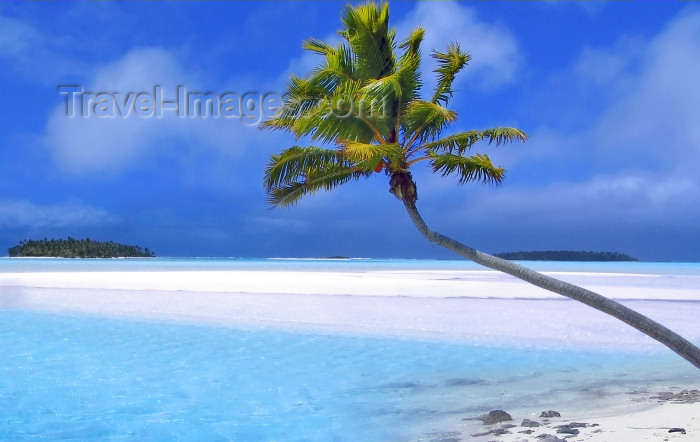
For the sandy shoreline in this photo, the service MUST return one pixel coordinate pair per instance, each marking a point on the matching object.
(475, 306)
(441, 284)
(481, 307)
(650, 421)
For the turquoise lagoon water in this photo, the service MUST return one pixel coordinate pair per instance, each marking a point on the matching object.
(87, 378)
(72, 377)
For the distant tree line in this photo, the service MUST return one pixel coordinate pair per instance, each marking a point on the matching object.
(565, 255)
(77, 248)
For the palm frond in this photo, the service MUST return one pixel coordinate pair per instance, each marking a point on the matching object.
(338, 67)
(367, 32)
(298, 171)
(331, 121)
(408, 69)
(399, 83)
(318, 46)
(473, 168)
(410, 62)
(290, 193)
(287, 194)
(412, 43)
(502, 135)
(397, 89)
(295, 163)
(424, 120)
(463, 141)
(300, 97)
(367, 155)
(449, 64)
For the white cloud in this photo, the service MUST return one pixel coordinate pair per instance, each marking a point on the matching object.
(494, 51)
(618, 199)
(34, 52)
(19, 214)
(602, 66)
(656, 121)
(16, 37)
(96, 144)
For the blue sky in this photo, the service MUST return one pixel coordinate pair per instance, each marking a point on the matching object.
(607, 91)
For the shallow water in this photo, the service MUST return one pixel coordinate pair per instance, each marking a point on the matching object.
(88, 378)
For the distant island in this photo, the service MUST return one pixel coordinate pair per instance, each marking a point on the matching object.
(565, 255)
(77, 248)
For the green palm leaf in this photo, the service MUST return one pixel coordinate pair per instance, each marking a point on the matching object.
(295, 163)
(412, 44)
(463, 141)
(367, 31)
(472, 168)
(366, 156)
(298, 171)
(329, 121)
(328, 179)
(318, 46)
(449, 64)
(425, 120)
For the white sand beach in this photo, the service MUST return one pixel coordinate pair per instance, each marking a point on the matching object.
(476, 306)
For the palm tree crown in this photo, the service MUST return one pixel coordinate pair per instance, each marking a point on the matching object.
(364, 98)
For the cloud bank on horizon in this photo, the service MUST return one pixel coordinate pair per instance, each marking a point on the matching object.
(611, 163)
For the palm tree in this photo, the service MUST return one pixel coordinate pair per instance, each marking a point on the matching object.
(364, 100)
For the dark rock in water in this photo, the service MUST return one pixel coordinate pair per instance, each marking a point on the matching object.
(400, 385)
(570, 428)
(495, 432)
(529, 423)
(549, 438)
(567, 430)
(550, 413)
(664, 395)
(683, 397)
(500, 431)
(526, 431)
(457, 382)
(574, 425)
(677, 430)
(495, 416)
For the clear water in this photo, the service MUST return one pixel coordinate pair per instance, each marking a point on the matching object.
(330, 265)
(87, 378)
(66, 377)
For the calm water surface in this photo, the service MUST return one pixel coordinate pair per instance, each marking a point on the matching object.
(87, 378)
(330, 265)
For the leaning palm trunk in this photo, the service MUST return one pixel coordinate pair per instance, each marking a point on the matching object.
(651, 328)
